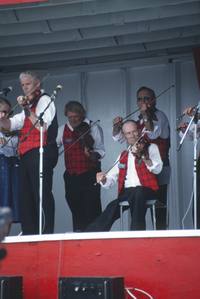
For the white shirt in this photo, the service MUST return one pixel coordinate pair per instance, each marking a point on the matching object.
(96, 132)
(132, 179)
(17, 120)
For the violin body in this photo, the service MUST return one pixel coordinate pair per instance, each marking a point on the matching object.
(86, 138)
(140, 149)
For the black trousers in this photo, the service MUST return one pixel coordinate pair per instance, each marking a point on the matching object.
(83, 198)
(29, 185)
(137, 197)
(161, 208)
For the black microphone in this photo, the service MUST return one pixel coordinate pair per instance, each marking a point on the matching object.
(6, 90)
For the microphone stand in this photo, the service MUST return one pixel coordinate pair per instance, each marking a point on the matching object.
(194, 120)
(41, 151)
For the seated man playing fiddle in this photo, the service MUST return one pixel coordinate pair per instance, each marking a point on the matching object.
(135, 170)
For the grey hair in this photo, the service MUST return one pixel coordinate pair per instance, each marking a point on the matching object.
(33, 74)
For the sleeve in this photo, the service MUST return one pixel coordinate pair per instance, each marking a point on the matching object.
(59, 139)
(161, 127)
(154, 155)
(17, 121)
(44, 102)
(13, 141)
(97, 134)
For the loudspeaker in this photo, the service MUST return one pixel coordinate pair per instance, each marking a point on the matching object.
(11, 287)
(91, 288)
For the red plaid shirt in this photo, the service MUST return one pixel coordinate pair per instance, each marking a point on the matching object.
(76, 162)
(147, 178)
(29, 140)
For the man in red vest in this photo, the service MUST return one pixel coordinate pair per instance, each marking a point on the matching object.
(33, 103)
(156, 123)
(83, 151)
(135, 172)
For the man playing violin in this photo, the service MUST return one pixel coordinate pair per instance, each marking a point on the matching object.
(33, 103)
(83, 151)
(135, 172)
(156, 125)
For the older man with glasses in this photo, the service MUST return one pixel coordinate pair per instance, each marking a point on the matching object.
(156, 125)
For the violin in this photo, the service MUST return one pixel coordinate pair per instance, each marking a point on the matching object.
(140, 148)
(87, 141)
(86, 138)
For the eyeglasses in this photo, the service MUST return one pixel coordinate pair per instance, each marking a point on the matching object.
(145, 98)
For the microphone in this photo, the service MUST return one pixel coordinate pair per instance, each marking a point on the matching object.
(55, 92)
(6, 90)
(58, 88)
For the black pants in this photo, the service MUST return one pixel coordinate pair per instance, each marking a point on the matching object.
(136, 197)
(29, 185)
(83, 198)
(161, 208)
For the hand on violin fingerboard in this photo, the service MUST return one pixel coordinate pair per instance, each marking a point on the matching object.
(22, 101)
(182, 127)
(189, 111)
(117, 125)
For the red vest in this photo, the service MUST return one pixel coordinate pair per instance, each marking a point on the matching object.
(76, 162)
(29, 140)
(147, 178)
